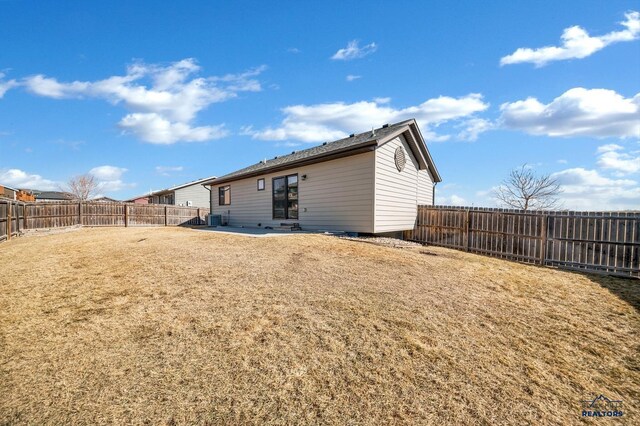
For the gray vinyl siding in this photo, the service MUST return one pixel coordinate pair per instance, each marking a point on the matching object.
(425, 188)
(396, 193)
(196, 193)
(337, 195)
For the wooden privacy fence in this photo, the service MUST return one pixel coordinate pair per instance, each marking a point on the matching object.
(590, 241)
(11, 219)
(16, 216)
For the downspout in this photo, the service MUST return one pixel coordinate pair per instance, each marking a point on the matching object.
(433, 194)
(210, 199)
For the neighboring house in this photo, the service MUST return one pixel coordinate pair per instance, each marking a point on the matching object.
(25, 195)
(368, 183)
(47, 196)
(143, 199)
(16, 194)
(8, 192)
(190, 194)
(105, 200)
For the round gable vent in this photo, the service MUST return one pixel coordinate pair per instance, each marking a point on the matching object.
(400, 158)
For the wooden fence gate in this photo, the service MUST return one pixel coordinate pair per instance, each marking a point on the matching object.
(590, 241)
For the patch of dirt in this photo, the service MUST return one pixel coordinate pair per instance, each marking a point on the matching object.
(50, 231)
(383, 241)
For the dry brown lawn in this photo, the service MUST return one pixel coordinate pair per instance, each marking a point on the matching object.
(178, 326)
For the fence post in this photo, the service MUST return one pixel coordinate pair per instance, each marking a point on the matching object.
(198, 221)
(543, 239)
(165, 215)
(9, 204)
(80, 213)
(466, 230)
(126, 215)
(24, 216)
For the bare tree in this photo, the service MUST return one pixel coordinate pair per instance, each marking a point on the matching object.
(83, 187)
(525, 191)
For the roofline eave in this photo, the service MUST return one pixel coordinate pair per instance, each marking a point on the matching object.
(352, 150)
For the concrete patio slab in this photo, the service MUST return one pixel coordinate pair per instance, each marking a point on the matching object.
(251, 232)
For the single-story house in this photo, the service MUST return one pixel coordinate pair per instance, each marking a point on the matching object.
(16, 194)
(105, 200)
(190, 194)
(370, 182)
(8, 192)
(142, 199)
(50, 196)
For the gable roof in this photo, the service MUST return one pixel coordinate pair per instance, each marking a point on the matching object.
(354, 144)
(105, 199)
(183, 185)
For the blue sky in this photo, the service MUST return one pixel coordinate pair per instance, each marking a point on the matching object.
(146, 95)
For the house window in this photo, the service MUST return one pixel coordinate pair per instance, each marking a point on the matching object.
(224, 195)
(260, 184)
(285, 197)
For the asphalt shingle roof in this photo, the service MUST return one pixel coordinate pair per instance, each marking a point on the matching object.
(326, 148)
(52, 195)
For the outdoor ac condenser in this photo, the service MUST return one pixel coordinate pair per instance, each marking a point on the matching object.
(214, 220)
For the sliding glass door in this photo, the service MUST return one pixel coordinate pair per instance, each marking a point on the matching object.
(285, 197)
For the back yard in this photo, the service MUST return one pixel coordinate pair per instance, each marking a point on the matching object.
(171, 325)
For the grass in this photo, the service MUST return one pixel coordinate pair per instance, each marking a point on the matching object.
(176, 326)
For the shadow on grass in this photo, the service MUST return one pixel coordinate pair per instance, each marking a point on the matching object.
(627, 289)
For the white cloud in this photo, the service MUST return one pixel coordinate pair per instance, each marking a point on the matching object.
(325, 122)
(612, 158)
(584, 189)
(576, 44)
(6, 85)
(168, 170)
(451, 200)
(107, 172)
(154, 128)
(164, 100)
(352, 77)
(51, 88)
(609, 147)
(561, 161)
(108, 186)
(110, 178)
(354, 51)
(17, 178)
(473, 128)
(577, 112)
(72, 145)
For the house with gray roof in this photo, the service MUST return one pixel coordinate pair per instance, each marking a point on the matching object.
(370, 182)
(189, 194)
(51, 196)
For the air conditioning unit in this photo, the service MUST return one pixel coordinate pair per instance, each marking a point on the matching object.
(214, 220)
(189, 203)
